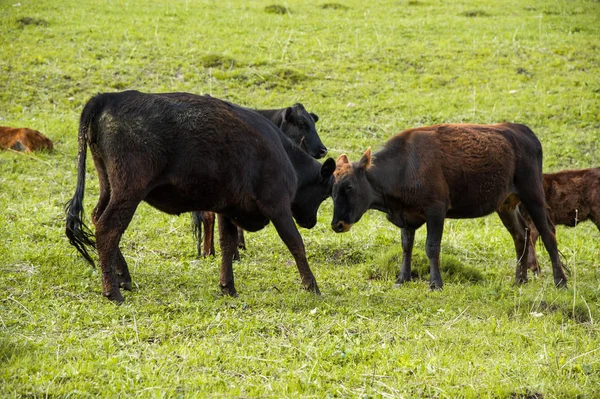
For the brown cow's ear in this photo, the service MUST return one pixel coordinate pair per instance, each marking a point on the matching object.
(365, 161)
(342, 160)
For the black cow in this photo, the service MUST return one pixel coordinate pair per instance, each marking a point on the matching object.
(182, 156)
(296, 123)
(427, 174)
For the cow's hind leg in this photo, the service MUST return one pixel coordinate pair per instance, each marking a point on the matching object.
(241, 239)
(532, 197)
(435, 230)
(515, 224)
(228, 241)
(123, 276)
(109, 228)
(408, 241)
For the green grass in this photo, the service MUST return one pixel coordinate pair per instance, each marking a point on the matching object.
(369, 70)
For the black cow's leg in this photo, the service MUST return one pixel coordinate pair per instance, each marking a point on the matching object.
(109, 229)
(515, 225)
(104, 184)
(435, 229)
(123, 276)
(286, 228)
(228, 241)
(209, 233)
(408, 241)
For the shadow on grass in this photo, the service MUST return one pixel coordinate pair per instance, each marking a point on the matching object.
(387, 267)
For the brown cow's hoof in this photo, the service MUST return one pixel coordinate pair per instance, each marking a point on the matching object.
(114, 296)
(521, 280)
(228, 290)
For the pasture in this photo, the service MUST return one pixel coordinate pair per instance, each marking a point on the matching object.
(369, 70)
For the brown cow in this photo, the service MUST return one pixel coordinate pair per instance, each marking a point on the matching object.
(23, 139)
(572, 196)
(427, 174)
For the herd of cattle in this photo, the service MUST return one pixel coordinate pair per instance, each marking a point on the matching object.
(182, 152)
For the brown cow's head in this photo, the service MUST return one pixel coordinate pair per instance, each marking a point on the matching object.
(311, 194)
(351, 192)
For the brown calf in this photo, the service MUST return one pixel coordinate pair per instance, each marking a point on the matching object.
(572, 196)
(425, 175)
(23, 139)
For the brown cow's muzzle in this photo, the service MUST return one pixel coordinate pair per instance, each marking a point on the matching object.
(341, 227)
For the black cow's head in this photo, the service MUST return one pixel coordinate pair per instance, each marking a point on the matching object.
(311, 194)
(299, 125)
(351, 192)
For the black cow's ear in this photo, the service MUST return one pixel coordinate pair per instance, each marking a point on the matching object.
(287, 115)
(314, 116)
(328, 168)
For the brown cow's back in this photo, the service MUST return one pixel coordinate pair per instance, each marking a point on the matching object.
(573, 196)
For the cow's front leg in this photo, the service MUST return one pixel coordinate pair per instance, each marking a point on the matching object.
(286, 228)
(408, 240)
(228, 241)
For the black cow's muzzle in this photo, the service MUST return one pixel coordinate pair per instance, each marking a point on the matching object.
(341, 227)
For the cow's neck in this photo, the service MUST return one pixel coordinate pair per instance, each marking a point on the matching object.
(274, 115)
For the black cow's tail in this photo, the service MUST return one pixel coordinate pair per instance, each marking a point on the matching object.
(80, 235)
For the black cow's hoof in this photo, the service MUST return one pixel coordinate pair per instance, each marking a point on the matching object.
(401, 280)
(229, 291)
(312, 287)
(126, 285)
(114, 296)
(521, 280)
(562, 283)
(435, 287)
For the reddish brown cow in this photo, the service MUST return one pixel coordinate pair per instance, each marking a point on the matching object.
(572, 196)
(23, 139)
(425, 175)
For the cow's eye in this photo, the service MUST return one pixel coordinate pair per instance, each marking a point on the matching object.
(349, 187)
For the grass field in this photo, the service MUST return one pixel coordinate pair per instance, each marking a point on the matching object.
(369, 70)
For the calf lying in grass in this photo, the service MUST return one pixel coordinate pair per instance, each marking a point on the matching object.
(23, 139)
(572, 196)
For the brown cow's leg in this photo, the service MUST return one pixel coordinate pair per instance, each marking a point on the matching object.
(241, 239)
(228, 241)
(515, 225)
(532, 196)
(209, 233)
(532, 261)
(537, 210)
(109, 229)
(408, 241)
(435, 230)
